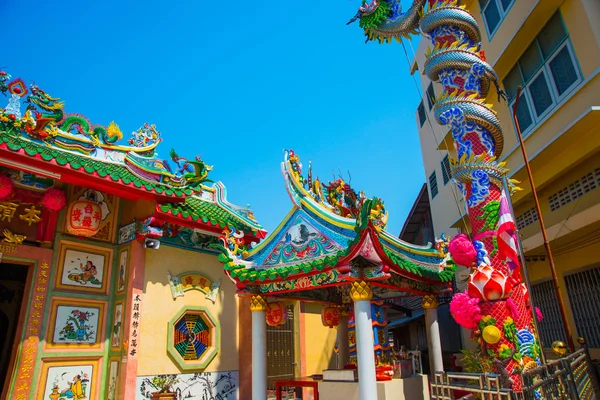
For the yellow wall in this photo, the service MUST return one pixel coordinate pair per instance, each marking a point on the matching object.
(159, 307)
(319, 341)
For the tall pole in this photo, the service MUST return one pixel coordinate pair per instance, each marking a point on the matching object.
(536, 323)
(559, 297)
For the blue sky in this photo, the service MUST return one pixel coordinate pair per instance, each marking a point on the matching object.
(234, 82)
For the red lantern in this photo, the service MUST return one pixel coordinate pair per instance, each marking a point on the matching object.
(489, 284)
(83, 218)
(276, 313)
(330, 316)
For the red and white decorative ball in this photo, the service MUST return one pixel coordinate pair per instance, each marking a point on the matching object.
(489, 284)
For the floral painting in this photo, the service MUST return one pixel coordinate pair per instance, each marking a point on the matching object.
(122, 278)
(83, 269)
(117, 326)
(76, 324)
(68, 382)
(113, 373)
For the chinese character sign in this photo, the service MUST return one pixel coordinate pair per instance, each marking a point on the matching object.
(84, 217)
(134, 330)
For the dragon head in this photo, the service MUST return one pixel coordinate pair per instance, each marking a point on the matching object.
(372, 14)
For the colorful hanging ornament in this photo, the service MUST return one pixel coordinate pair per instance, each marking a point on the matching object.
(6, 187)
(54, 199)
(330, 316)
(489, 284)
(276, 313)
(84, 218)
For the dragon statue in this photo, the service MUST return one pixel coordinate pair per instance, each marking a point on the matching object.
(195, 171)
(496, 298)
(52, 111)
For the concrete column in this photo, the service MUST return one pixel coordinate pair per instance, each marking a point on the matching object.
(430, 306)
(343, 341)
(258, 306)
(367, 383)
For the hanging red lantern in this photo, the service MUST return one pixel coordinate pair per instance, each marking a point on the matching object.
(6, 187)
(84, 218)
(330, 316)
(276, 313)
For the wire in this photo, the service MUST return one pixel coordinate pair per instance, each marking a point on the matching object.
(433, 130)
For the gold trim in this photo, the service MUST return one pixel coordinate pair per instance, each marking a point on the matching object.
(257, 303)
(361, 290)
(429, 301)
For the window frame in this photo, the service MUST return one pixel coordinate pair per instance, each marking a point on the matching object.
(430, 99)
(421, 121)
(503, 14)
(446, 161)
(557, 98)
(437, 187)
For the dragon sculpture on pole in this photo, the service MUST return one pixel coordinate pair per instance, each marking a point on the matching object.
(496, 306)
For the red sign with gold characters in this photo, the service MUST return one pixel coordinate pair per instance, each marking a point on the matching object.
(26, 364)
(276, 313)
(84, 217)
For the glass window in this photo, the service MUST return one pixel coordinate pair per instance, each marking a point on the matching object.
(563, 70)
(523, 114)
(512, 82)
(492, 16)
(531, 61)
(552, 35)
(422, 114)
(446, 169)
(433, 187)
(430, 96)
(547, 70)
(540, 94)
(493, 12)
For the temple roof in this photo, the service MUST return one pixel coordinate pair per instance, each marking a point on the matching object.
(332, 236)
(36, 135)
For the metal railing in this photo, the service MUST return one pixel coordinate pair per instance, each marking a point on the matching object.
(487, 386)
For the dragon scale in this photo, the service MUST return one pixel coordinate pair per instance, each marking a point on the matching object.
(504, 325)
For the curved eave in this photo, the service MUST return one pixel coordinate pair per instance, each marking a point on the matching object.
(196, 222)
(78, 176)
(371, 232)
(257, 249)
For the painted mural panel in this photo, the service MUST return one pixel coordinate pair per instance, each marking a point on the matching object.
(113, 375)
(117, 327)
(76, 325)
(75, 322)
(83, 268)
(122, 273)
(200, 385)
(68, 380)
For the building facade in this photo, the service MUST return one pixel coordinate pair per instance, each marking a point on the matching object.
(552, 49)
(110, 284)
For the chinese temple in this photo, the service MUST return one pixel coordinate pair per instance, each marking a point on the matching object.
(332, 248)
(110, 287)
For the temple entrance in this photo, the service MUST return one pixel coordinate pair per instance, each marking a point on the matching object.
(280, 351)
(13, 278)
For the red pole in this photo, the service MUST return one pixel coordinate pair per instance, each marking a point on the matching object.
(559, 297)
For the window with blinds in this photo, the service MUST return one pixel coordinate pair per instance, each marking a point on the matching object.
(584, 296)
(446, 169)
(422, 114)
(433, 187)
(430, 96)
(547, 71)
(551, 327)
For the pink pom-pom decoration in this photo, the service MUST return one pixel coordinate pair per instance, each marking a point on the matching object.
(465, 310)
(54, 199)
(462, 250)
(6, 186)
(487, 283)
(539, 315)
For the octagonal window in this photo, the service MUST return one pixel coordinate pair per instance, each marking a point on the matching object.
(193, 338)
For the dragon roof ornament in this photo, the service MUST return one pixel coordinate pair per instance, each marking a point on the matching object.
(335, 197)
(44, 126)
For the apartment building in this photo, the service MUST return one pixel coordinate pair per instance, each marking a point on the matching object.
(552, 49)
